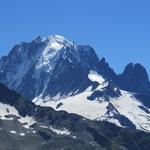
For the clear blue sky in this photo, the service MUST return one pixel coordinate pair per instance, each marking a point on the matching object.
(119, 30)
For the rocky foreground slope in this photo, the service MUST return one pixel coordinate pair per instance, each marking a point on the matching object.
(26, 126)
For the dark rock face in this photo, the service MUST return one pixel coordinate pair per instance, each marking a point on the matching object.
(124, 121)
(144, 98)
(134, 79)
(21, 57)
(70, 74)
(108, 91)
(105, 70)
(145, 109)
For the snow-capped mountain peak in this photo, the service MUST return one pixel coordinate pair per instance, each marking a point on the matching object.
(36, 63)
(57, 38)
(52, 48)
(55, 72)
(56, 41)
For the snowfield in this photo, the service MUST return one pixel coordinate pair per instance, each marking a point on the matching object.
(126, 105)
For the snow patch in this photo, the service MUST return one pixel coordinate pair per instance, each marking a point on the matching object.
(60, 132)
(45, 127)
(34, 132)
(95, 77)
(8, 112)
(27, 120)
(22, 134)
(13, 132)
(57, 131)
(74, 137)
